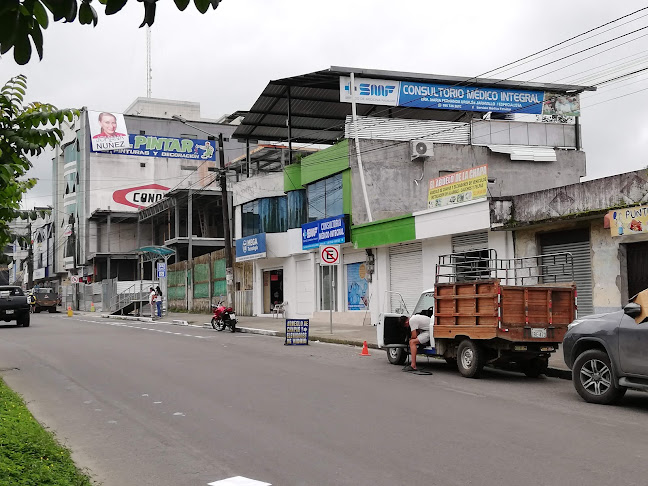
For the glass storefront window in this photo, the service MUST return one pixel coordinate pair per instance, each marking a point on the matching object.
(297, 208)
(328, 295)
(325, 198)
(267, 215)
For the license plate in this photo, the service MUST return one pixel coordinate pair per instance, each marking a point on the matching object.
(9, 311)
(538, 333)
(232, 316)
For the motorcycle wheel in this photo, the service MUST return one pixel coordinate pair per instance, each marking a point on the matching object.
(233, 326)
(217, 324)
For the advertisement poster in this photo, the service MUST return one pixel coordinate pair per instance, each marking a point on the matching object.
(357, 286)
(107, 131)
(559, 104)
(629, 221)
(462, 186)
(169, 147)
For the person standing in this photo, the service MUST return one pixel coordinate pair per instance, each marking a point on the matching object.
(152, 300)
(158, 300)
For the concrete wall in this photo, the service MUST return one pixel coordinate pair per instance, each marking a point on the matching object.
(390, 174)
(573, 200)
(261, 185)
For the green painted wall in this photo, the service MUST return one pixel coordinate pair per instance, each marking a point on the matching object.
(325, 163)
(292, 177)
(383, 232)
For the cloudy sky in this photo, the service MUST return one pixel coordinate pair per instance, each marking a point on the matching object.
(224, 59)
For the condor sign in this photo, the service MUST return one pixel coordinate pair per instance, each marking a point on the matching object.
(140, 197)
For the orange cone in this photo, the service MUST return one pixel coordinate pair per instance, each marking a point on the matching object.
(365, 350)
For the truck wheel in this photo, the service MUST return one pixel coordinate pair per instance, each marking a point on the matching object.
(594, 379)
(23, 321)
(470, 359)
(52, 310)
(535, 367)
(396, 356)
(37, 310)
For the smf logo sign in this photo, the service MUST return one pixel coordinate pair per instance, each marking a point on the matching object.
(370, 91)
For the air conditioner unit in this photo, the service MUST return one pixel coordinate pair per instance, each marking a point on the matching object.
(421, 148)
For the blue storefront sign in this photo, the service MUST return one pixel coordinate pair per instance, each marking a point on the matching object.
(329, 231)
(251, 247)
(169, 147)
(469, 98)
(454, 97)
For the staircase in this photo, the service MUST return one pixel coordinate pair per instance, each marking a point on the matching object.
(134, 298)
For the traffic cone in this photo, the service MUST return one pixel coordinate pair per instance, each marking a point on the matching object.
(365, 350)
(69, 311)
(92, 307)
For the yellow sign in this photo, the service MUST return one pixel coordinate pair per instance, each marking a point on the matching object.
(629, 221)
(458, 187)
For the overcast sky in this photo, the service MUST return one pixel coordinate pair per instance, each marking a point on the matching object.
(224, 59)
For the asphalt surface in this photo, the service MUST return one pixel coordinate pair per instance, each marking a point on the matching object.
(155, 404)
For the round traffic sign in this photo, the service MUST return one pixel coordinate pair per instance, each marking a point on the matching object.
(74, 279)
(330, 255)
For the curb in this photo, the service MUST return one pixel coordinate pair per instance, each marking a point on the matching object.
(129, 318)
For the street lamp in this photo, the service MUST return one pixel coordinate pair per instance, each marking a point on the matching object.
(229, 272)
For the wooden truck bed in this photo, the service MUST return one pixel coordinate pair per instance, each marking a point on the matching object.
(484, 309)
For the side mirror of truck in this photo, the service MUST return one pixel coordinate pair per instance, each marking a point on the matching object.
(632, 309)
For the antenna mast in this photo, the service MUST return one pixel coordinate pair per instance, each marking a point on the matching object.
(148, 61)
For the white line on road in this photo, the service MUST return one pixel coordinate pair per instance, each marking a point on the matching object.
(238, 481)
(117, 324)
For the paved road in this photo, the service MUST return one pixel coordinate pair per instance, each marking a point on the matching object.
(153, 404)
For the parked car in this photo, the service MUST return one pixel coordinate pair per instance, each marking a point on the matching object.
(14, 305)
(607, 354)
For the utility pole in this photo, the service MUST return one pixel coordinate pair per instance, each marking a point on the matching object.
(30, 257)
(75, 300)
(229, 265)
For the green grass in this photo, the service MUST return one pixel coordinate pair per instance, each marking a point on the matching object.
(30, 455)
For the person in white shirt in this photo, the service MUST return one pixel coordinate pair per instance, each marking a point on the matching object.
(420, 327)
(152, 296)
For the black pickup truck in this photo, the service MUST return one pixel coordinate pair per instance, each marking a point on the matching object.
(14, 305)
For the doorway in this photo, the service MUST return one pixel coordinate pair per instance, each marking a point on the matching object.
(328, 293)
(272, 289)
(637, 258)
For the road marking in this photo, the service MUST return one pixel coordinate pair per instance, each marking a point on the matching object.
(130, 326)
(238, 481)
(180, 414)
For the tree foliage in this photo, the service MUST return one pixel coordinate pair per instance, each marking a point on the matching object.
(26, 129)
(22, 21)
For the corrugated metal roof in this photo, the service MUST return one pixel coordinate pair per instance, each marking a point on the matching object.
(521, 152)
(318, 116)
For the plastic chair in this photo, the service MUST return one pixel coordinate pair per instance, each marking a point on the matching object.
(279, 309)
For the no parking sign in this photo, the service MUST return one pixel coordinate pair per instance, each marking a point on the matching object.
(330, 255)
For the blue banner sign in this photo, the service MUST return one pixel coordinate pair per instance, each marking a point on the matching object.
(169, 147)
(470, 98)
(455, 97)
(251, 247)
(296, 332)
(329, 231)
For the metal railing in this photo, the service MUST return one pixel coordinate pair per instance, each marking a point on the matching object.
(484, 264)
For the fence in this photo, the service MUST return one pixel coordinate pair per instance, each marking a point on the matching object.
(195, 285)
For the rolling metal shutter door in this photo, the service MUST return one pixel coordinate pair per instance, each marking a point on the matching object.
(474, 241)
(582, 272)
(405, 269)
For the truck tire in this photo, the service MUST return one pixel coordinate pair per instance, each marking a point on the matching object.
(470, 359)
(594, 378)
(396, 356)
(52, 310)
(36, 309)
(534, 367)
(23, 321)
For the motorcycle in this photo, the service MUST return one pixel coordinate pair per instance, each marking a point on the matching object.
(223, 317)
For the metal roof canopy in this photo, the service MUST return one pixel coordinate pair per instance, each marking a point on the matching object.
(311, 102)
(150, 253)
(270, 158)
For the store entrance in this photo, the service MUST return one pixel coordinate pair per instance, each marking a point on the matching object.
(637, 257)
(272, 289)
